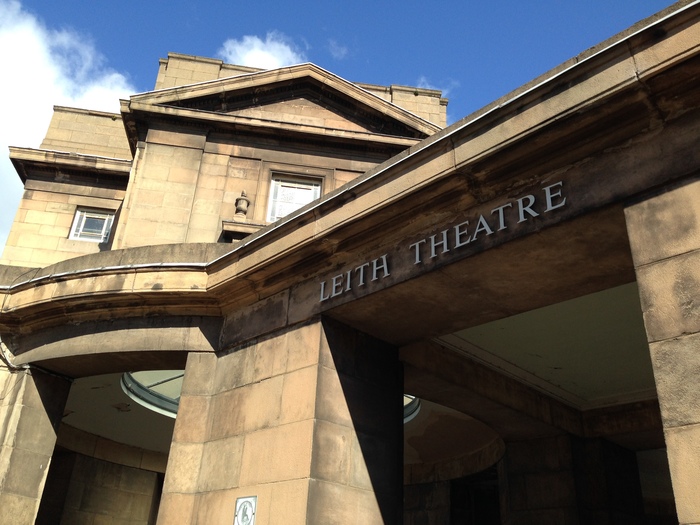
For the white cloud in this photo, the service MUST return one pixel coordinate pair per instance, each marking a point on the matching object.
(337, 51)
(41, 68)
(275, 51)
(449, 86)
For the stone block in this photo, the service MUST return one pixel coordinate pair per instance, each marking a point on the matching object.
(77, 517)
(202, 236)
(285, 452)
(226, 418)
(665, 225)
(184, 464)
(683, 445)
(261, 402)
(288, 503)
(234, 369)
(648, 58)
(183, 175)
(206, 198)
(140, 506)
(171, 281)
(299, 394)
(36, 241)
(46, 392)
(26, 472)
(198, 374)
(270, 357)
(34, 431)
(221, 464)
(192, 423)
(154, 461)
(156, 173)
(676, 365)
(17, 509)
(65, 220)
(335, 504)
(668, 294)
(53, 231)
(148, 198)
(264, 317)
(331, 404)
(217, 507)
(176, 139)
(118, 453)
(171, 233)
(214, 178)
(176, 509)
(18, 256)
(145, 227)
(29, 296)
(346, 401)
(247, 408)
(136, 480)
(178, 200)
(333, 453)
(303, 345)
(98, 499)
(375, 462)
(205, 222)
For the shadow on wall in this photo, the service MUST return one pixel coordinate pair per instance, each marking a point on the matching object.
(371, 379)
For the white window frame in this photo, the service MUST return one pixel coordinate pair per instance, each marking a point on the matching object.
(78, 232)
(291, 181)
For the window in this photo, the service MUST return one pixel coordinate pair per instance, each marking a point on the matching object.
(91, 225)
(288, 194)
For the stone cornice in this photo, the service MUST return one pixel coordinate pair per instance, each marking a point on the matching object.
(132, 110)
(76, 160)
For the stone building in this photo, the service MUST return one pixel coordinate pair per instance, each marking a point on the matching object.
(358, 314)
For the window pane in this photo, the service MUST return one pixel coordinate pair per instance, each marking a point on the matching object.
(288, 196)
(93, 226)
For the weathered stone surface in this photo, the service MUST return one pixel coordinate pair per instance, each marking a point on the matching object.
(675, 214)
(221, 464)
(31, 408)
(684, 459)
(617, 128)
(668, 292)
(184, 464)
(676, 366)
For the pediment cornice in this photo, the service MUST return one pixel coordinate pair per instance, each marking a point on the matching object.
(218, 100)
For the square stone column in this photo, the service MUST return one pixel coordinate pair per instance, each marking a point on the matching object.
(31, 406)
(567, 480)
(307, 419)
(537, 483)
(664, 233)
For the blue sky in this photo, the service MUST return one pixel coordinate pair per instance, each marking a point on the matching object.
(90, 54)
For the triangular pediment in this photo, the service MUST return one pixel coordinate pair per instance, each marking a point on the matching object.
(303, 111)
(298, 95)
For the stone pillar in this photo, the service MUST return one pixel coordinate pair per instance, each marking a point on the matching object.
(664, 233)
(566, 480)
(537, 483)
(607, 483)
(31, 406)
(307, 419)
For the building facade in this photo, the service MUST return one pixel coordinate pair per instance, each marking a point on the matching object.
(358, 314)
